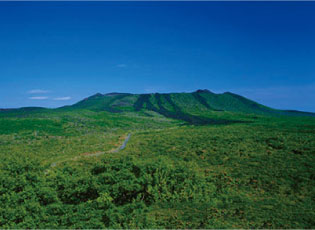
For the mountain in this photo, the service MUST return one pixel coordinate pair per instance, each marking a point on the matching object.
(163, 103)
(188, 107)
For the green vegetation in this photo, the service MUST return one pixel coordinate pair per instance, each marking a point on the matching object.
(198, 160)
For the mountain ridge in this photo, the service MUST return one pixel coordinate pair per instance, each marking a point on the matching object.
(171, 105)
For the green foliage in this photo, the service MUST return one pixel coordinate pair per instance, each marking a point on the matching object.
(117, 193)
(244, 170)
(14, 125)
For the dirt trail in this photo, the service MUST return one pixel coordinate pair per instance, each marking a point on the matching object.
(121, 147)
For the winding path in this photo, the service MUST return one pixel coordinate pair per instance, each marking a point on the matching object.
(121, 147)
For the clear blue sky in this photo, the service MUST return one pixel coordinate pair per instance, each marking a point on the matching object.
(56, 53)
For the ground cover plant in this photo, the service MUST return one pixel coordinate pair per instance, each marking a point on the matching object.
(191, 162)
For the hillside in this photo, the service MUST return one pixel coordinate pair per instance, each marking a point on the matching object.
(189, 107)
(166, 103)
(199, 108)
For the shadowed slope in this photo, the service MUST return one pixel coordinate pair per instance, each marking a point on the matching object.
(166, 107)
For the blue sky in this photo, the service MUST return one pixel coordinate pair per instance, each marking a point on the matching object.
(57, 53)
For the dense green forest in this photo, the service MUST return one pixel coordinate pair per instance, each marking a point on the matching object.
(194, 160)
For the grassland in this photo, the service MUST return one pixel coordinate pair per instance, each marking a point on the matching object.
(187, 165)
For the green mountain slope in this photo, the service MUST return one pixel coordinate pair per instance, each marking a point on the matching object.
(192, 108)
(169, 104)
(100, 102)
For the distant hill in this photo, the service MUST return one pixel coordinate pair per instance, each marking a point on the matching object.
(182, 106)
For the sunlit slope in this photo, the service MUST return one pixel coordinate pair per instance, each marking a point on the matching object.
(113, 102)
